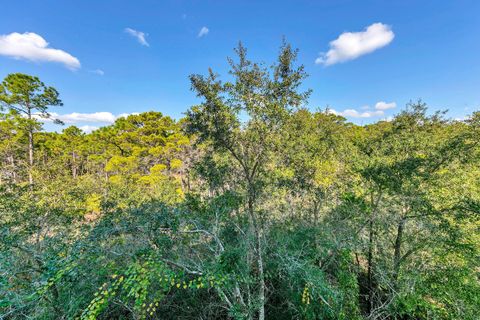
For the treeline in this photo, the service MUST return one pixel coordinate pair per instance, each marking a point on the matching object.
(250, 207)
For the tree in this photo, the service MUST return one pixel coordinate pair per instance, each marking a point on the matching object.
(245, 119)
(11, 142)
(31, 98)
(315, 151)
(402, 166)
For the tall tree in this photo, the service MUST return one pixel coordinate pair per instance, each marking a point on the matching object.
(245, 119)
(30, 97)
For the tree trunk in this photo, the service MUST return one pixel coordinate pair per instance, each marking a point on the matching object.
(30, 147)
(398, 253)
(261, 289)
(315, 212)
(371, 244)
(105, 171)
(14, 171)
(257, 236)
(74, 165)
(370, 266)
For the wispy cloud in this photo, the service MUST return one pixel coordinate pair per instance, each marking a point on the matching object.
(97, 71)
(356, 114)
(31, 46)
(203, 32)
(140, 36)
(463, 119)
(125, 115)
(382, 105)
(87, 128)
(379, 111)
(351, 45)
(76, 117)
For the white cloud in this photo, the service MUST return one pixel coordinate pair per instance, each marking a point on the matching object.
(462, 119)
(351, 45)
(98, 71)
(355, 114)
(379, 111)
(203, 32)
(139, 35)
(382, 105)
(87, 117)
(125, 115)
(88, 129)
(30, 46)
(76, 117)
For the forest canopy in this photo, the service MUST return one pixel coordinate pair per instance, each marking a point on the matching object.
(252, 206)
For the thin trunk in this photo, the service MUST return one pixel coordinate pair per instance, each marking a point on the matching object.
(370, 266)
(30, 147)
(261, 289)
(74, 165)
(371, 245)
(189, 187)
(398, 251)
(257, 236)
(14, 172)
(315, 212)
(105, 171)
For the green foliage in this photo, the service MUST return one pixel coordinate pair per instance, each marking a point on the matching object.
(25, 93)
(251, 207)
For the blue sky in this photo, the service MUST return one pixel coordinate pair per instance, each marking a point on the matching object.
(418, 49)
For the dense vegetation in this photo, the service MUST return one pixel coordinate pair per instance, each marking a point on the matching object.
(251, 207)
